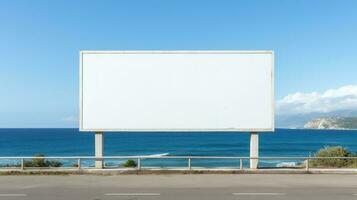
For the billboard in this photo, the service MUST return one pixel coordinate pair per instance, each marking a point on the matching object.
(176, 91)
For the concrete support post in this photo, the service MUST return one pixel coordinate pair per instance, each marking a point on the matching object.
(254, 150)
(99, 142)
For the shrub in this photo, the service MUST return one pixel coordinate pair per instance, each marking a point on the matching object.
(54, 163)
(41, 162)
(74, 165)
(130, 163)
(335, 151)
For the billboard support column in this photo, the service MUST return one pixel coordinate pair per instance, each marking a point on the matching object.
(254, 150)
(99, 150)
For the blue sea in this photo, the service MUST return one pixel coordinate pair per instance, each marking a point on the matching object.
(71, 142)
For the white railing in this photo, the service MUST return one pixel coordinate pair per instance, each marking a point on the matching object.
(138, 159)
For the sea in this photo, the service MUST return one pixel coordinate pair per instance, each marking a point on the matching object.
(72, 142)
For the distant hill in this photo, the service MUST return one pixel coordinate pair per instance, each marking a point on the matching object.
(299, 120)
(332, 123)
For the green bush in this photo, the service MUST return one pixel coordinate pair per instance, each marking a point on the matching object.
(130, 163)
(74, 165)
(41, 162)
(335, 151)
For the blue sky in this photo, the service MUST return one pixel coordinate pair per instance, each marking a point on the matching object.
(315, 44)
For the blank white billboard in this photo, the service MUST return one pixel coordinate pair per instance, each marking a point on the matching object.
(176, 91)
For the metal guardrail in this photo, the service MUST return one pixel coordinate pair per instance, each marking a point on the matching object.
(138, 159)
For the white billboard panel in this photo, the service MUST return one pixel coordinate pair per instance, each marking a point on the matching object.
(176, 91)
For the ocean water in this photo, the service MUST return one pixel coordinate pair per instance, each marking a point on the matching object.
(71, 142)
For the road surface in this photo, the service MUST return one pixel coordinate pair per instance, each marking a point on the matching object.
(180, 187)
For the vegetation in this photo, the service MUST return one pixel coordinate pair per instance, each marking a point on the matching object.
(335, 151)
(130, 163)
(41, 162)
(40, 172)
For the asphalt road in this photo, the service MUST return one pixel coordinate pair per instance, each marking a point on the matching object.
(180, 187)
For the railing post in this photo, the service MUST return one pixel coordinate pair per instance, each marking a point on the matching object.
(139, 164)
(189, 163)
(241, 164)
(79, 163)
(22, 164)
(307, 164)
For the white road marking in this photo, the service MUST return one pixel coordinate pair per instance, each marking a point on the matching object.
(257, 193)
(132, 194)
(13, 195)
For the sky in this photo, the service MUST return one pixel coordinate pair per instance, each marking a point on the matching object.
(315, 45)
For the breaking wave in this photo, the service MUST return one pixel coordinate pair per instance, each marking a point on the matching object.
(156, 155)
(287, 164)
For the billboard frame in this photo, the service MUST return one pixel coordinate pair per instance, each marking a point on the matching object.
(270, 52)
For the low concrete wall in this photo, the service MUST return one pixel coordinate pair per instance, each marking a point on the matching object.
(122, 171)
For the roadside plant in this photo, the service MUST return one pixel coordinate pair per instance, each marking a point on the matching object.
(334, 151)
(130, 163)
(40, 161)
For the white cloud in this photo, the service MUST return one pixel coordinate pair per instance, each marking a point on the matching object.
(70, 119)
(343, 98)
